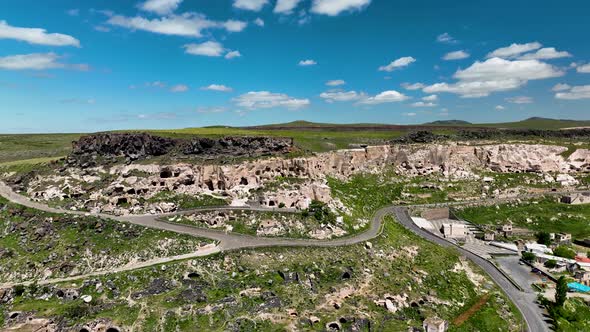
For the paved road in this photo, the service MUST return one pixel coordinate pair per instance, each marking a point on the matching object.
(534, 321)
(533, 318)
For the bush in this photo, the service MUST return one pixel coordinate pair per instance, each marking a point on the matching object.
(321, 212)
(550, 263)
(543, 238)
(528, 256)
(565, 252)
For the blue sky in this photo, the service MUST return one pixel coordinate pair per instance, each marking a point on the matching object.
(77, 66)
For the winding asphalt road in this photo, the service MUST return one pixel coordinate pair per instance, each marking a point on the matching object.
(230, 241)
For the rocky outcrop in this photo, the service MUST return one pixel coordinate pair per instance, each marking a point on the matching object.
(139, 146)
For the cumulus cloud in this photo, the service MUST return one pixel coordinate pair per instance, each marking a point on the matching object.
(233, 54)
(423, 104)
(390, 96)
(37, 61)
(336, 95)
(286, 6)
(585, 69)
(73, 12)
(161, 7)
(546, 53)
(259, 22)
(514, 50)
(576, 92)
(430, 98)
(264, 99)
(253, 5)
(414, 86)
(500, 108)
(211, 109)
(520, 100)
(187, 24)
(210, 48)
(36, 36)
(179, 88)
(560, 87)
(155, 84)
(446, 38)
(494, 75)
(308, 62)
(457, 55)
(217, 87)
(396, 64)
(336, 7)
(335, 83)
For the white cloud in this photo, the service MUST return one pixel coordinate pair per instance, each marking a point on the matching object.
(264, 99)
(500, 108)
(500, 69)
(560, 87)
(36, 36)
(161, 7)
(233, 54)
(514, 50)
(430, 98)
(102, 28)
(446, 38)
(335, 83)
(308, 62)
(179, 88)
(335, 7)
(576, 92)
(410, 114)
(396, 64)
(457, 55)
(390, 96)
(187, 24)
(286, 6)
(585, 69)
(217, 87)
(209, 48)
(259, 22)
(414, 86)
(211, 109)
(155, 84)
(520, 100)
(494, 75)
(332, 96)
(157, 116)
(34, 61)
(423, 104)
(253, 5)
(80, 101)
(546, 54)
(235, 26)
(73, 12)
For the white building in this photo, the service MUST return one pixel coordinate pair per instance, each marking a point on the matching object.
(454, 231)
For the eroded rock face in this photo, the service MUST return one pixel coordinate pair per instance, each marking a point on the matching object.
(129, 145)
(238, 182)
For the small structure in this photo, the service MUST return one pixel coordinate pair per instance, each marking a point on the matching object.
(489, 236)
(506, 229)
(434, 324)
(563, 238)
(575, 199)
(537, 248)
(454, 231)
(583, 277)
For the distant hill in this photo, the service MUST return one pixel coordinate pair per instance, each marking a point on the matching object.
(448, 123)
(539, 123)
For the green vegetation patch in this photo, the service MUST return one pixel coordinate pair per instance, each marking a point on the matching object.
(34, 242)
(543, 215)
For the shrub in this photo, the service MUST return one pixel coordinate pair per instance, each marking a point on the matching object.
(528, 256)
(550, 263)
(543, 238)
(565, 252)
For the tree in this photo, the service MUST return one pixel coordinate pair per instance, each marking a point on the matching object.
(528, 256)
(561, 291)
(565, 252)
(551, 263)
(543, 238)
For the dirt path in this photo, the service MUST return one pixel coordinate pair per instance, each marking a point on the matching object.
(471, 311)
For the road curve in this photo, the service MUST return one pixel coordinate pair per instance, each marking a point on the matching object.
(231, 241)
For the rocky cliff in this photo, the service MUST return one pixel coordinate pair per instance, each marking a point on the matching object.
(142, 145)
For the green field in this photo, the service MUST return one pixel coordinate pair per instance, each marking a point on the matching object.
(545, 215)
